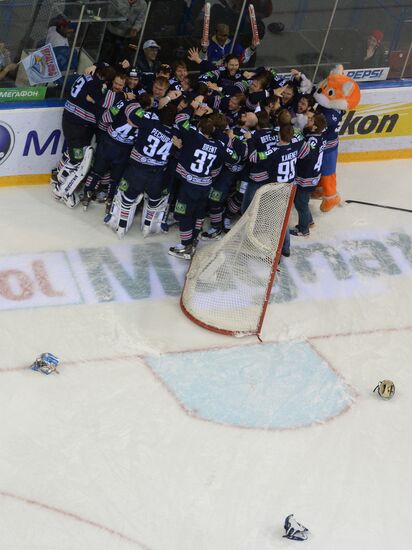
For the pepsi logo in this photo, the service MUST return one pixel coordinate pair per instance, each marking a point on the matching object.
(6, 141)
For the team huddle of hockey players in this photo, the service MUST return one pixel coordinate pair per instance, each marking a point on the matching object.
(189, 147)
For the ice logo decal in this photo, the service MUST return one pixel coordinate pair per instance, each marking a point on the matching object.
(6, 141)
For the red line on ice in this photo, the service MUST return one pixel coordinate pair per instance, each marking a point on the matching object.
(73, 516)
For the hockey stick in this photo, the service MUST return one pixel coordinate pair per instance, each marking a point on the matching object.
(379, 205)
(253, 24)
(206, 22)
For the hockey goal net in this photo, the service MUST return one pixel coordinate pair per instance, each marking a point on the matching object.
(229, 282)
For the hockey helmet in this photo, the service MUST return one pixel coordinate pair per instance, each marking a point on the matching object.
(386, 389)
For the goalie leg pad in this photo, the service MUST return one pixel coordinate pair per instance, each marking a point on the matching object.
(122, 212)
(153, 214)
(71, 175)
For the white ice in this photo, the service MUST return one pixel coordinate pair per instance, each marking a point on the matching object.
(103, 455)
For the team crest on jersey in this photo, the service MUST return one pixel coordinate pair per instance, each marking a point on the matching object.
(180, 208)
(123, 185)
(215, 195)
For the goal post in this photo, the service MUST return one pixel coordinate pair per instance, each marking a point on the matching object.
(228, 285)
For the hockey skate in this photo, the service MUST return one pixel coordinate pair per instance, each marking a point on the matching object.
(168, 220)
(227, 225)
(101, 196)
(182, 252)
(297, 233)
(88, 197)
(213, 233)
(108, 211)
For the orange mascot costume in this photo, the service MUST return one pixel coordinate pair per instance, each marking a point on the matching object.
(334, 95)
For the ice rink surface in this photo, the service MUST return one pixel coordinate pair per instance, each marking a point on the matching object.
(159, 435)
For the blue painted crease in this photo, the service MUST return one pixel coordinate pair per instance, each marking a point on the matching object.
(275, 386)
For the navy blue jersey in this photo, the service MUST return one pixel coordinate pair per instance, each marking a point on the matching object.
(333, 118)
(154, 141)
(219, 103)
(136, 91)
(86, 94)
(241, 149)
(234, 162)
(240, 131)
(253, 99)
(308, 168)
(230, 84)
(277, 164)
(120, 129)
(109, 114)
(201, 158)
(263, 140)
(175, 84)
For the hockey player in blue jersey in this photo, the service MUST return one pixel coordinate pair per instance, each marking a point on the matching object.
(275, 165)
(200, 160)
(145, 169)
(113, 150)
(308, 172)
(226, 180)
(79, 124)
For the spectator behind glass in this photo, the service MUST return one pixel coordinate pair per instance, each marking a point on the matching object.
(147, 62)
(58, 31)
(220, 45)
(7, 68)
(120, 33)
(372, 53)
(57, 36)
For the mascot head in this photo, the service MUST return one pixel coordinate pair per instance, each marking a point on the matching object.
(337, 91)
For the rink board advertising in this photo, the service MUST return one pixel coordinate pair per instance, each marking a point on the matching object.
(31, 140)
(380, 127)
(28, 93)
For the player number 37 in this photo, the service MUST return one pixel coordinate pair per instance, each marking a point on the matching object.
(202, 158)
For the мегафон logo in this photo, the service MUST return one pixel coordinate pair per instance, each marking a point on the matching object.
(6, 141)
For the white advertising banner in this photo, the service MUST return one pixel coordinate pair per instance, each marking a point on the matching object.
(381, 122)
(31, 141)
(368, 75)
